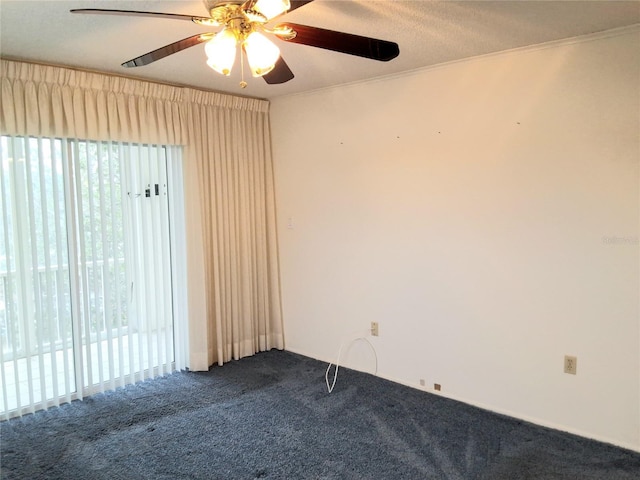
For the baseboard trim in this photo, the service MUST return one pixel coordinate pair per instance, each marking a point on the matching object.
(509, 413)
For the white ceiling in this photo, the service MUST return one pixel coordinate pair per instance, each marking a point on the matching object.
(428, 33)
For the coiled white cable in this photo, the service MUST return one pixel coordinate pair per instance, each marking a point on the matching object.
(337, 364)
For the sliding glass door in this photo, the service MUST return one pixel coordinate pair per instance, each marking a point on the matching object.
(85, 268)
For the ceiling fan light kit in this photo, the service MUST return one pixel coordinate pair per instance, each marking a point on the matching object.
(244, 24)
(268, 8)
(262, 54)
(221, 51)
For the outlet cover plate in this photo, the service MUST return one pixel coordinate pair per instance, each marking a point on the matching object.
(374, 329)
(570, 364)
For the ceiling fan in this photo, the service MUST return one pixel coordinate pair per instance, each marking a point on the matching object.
(243, 23)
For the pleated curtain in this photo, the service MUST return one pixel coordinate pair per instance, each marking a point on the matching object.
(232, 267)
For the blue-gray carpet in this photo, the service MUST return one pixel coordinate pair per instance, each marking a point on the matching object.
(270, 417)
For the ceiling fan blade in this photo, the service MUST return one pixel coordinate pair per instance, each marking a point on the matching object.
(281, 73)
(167, 50)
(297, 4)
(177, 16)
(366, 47)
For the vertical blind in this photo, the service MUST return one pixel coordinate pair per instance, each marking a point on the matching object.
(85, 268)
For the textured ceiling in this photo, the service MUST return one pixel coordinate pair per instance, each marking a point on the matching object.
(428, 33)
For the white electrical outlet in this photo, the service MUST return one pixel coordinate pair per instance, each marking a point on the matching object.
(570, 364)
(374, 329)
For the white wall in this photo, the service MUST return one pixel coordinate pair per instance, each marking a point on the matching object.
(485, 213)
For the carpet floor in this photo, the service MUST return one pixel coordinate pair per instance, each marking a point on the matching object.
(270, 417)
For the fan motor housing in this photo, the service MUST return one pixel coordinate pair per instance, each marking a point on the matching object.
(213, 4)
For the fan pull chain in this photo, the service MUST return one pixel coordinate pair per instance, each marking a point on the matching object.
(243, 84)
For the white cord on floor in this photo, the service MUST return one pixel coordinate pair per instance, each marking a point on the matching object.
(335, 373)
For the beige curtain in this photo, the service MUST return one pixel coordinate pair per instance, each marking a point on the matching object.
(232, 267)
